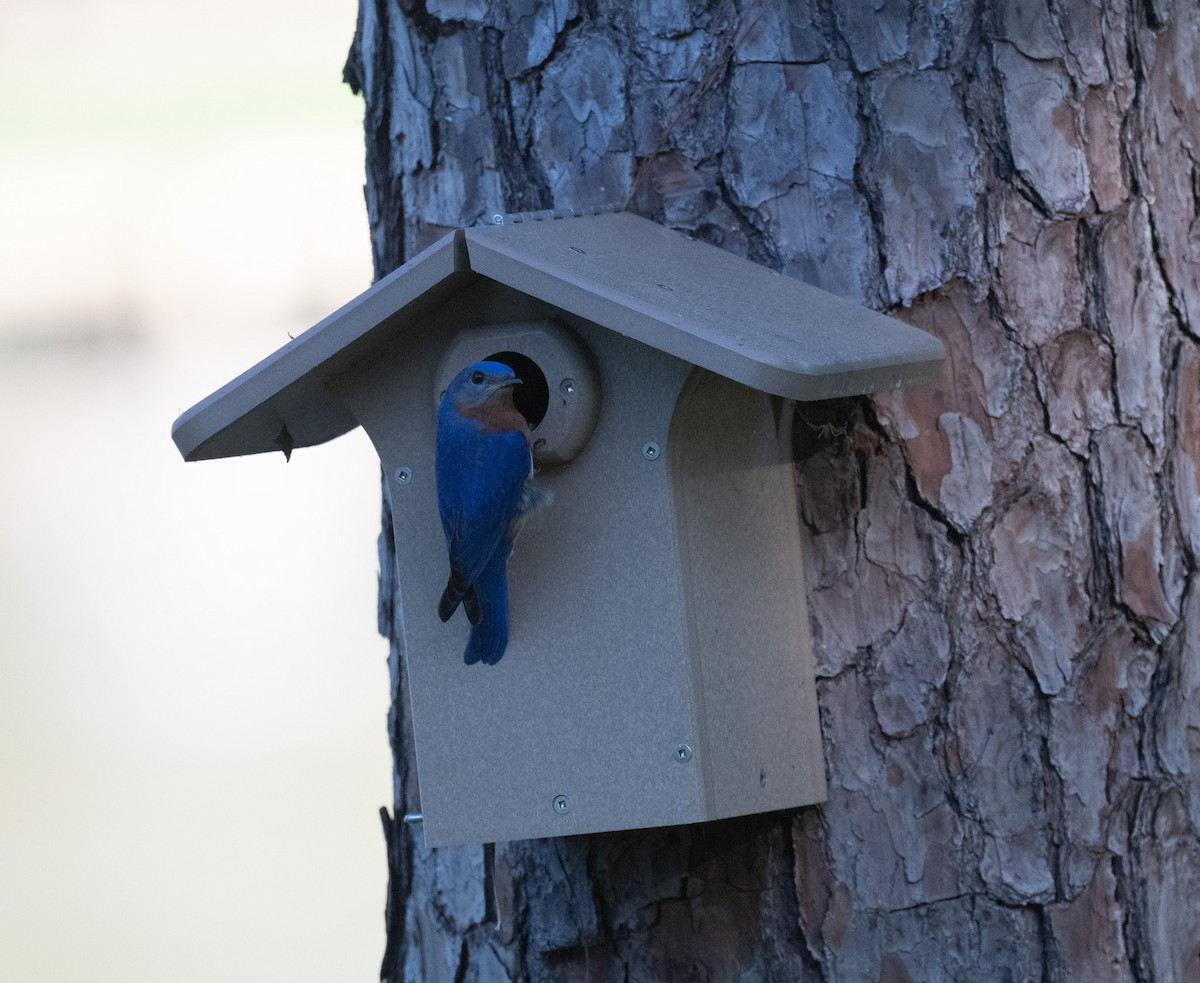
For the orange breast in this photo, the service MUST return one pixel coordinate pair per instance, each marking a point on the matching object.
(495, 417)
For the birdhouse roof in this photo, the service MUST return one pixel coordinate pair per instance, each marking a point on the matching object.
(630, 275)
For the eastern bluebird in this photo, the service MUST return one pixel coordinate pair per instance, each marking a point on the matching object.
(484, 490)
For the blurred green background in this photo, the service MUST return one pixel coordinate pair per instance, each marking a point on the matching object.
(193, 746)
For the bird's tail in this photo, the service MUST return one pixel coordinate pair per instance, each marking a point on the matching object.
(489, 635)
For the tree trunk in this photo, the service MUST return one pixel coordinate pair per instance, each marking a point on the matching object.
(1001, 567)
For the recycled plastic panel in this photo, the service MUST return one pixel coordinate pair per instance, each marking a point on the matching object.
(623, 272)
(595, 691)
(706, 306)
(288, 387)
(734, 497)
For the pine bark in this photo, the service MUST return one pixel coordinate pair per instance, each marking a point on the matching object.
(1001, 567)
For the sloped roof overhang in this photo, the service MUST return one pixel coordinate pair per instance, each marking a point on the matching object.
(687, 298)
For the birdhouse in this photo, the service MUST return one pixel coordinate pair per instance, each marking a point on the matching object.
(659, 668)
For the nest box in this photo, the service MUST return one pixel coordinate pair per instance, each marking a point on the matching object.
(659, 668)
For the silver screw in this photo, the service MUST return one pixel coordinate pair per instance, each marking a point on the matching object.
(683, 753)
(497, 219)
(562, 804)
(403, 476)
(651, 450)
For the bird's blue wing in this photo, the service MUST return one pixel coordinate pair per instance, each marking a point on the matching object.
(480, 478)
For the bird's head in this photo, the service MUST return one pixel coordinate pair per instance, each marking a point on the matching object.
(482, 382)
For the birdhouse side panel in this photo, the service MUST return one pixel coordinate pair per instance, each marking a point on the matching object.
(744, 593)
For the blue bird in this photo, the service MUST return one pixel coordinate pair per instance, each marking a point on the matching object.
(484, 491)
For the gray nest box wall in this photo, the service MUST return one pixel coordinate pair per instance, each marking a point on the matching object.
(659, 669)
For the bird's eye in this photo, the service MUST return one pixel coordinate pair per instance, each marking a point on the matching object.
(477, 377)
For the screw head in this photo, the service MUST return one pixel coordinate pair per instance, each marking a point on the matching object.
(651, 450)
(562, 804)
(683, 753)
(403, 476)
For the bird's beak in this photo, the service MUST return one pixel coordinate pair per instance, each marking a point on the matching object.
(509, 383)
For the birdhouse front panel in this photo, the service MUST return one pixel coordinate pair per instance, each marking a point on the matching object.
(577, 728)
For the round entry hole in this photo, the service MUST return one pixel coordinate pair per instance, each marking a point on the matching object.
(532, 397)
